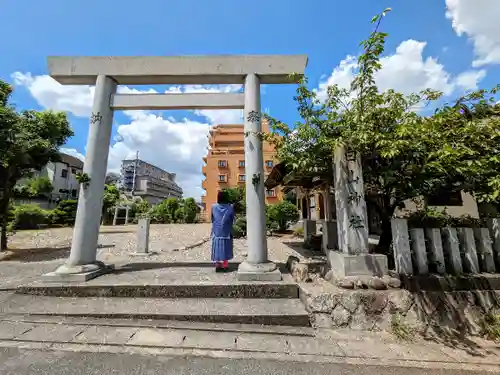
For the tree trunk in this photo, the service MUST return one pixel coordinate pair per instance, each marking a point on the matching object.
(4, 219)
(385, 210)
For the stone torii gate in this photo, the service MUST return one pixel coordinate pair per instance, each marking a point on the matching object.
(106, 72)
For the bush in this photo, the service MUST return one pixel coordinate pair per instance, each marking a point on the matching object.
(29, 216)
(281, 215)
(431, 218)
(240, 227)
(190, 210)
(64, 213)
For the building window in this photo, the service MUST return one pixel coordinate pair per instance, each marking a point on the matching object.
(270, 193)
(73, 193)
(222, 178)
(64, 173)
(222, 163)
(445, 199)
(73, 170)
(242, 163)
(241, 177)
(269, 163)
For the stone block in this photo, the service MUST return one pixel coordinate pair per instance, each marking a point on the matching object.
(435, 246)
(143, 235)
(258, 272)
(329, 235)
(451, 249)
(468, 250)
(309, 230)
(494, 228)
(357, 265)
(484, 250)
(401, 247)
(76, 274)
(419, 251)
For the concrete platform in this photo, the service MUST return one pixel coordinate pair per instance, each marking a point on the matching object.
(285, 312)
(167, 280)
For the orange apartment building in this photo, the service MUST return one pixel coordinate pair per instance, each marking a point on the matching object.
(225, 164)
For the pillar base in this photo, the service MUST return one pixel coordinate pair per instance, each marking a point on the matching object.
(80, 273)
(258, 272)
(344, 265)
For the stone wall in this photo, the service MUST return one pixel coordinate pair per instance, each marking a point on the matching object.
(445, 313)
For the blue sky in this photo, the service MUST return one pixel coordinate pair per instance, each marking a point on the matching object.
(449, 45)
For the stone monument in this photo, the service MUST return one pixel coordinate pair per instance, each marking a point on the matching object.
(352, 257)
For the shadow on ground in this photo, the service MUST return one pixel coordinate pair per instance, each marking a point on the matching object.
(143, 266)
(40, 254)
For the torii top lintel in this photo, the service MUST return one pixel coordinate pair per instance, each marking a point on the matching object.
(151, 70)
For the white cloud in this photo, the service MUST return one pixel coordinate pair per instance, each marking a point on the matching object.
(73, 152)
(406, 71)
(174, 145)
(479, 20)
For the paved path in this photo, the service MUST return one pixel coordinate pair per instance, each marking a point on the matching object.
(231, 341)
(36, 362)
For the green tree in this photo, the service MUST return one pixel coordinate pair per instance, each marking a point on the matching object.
(283, 214)
(190, 210)
(28, 141)
(172, 204)
(404, 153)
(110, 199)
(236, 196)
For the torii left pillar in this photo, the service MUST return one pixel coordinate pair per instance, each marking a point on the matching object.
(82, 264)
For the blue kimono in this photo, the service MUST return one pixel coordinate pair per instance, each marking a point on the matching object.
(222, 236)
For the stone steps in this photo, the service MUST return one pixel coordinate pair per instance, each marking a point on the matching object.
(153, 281)
(280, 312)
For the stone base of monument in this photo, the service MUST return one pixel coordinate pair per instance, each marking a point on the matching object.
(344, 265)
(79, 273)
(258, 272)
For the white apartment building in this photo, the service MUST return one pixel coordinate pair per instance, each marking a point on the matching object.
(151, 183)
(62, 174)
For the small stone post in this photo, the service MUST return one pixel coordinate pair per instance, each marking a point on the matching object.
(468, 250)
(401, 247)
(419, 250)
(126, 214)
(484, 250)
(494, 228)
(115, 216)
(436, 255)
(452, 250)
(143, 235)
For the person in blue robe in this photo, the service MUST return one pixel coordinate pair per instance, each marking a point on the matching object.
(222, 232)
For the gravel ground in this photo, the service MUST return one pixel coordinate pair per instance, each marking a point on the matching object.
(37, 252)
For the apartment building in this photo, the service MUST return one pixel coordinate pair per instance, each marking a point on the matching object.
(62, 175)
(148, 181)
(225, 164)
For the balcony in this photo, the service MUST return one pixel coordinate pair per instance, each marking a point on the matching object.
(204, 170)
(205, 159)
(204, 185)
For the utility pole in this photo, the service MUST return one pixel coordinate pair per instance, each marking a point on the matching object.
(135, 171)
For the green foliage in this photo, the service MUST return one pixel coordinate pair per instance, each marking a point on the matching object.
(64, 213)
(190, 210)
(240, 227)
(404, 153)
(236, 196)
(82, 178)
(299, 232)
(432, 218)
(28, 141)
(283, 214)
(34, 187)
(490, 325)
(159, 213)
(29, 216)
(172, 205)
